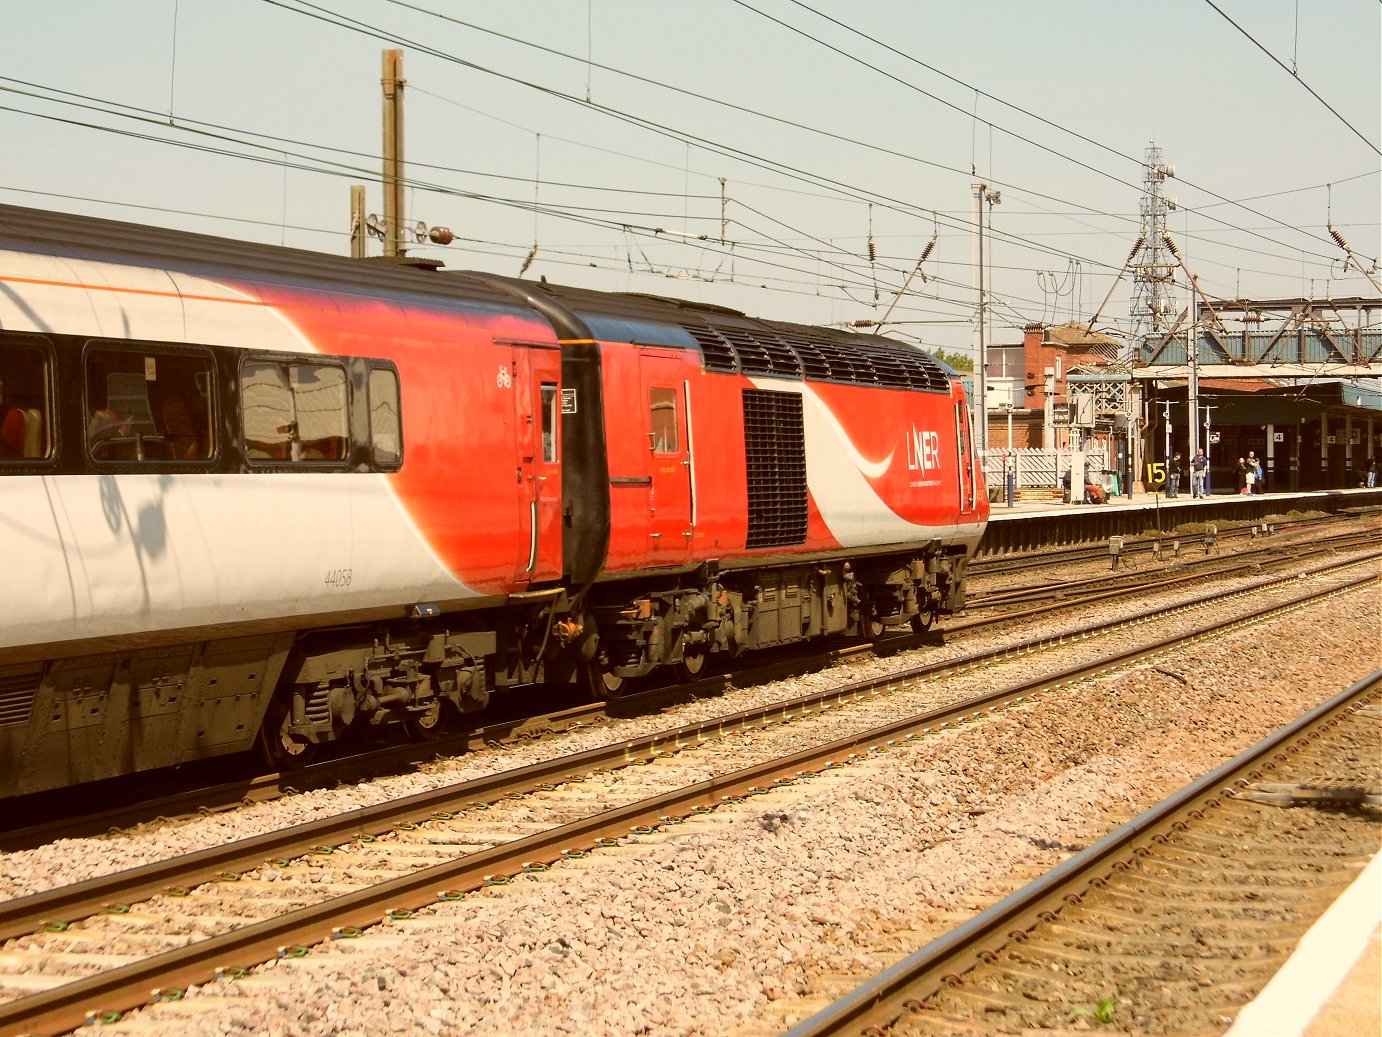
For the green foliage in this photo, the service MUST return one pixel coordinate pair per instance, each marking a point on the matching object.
(1103, 1012)
(958, 361)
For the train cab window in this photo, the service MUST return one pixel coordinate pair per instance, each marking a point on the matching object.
(148, 405)
(26, 409)
(663, 405)
(549, 422)
(293, 411)
(385, 425)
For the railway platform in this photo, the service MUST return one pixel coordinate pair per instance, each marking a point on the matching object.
(1036, 521)
(1331, 986)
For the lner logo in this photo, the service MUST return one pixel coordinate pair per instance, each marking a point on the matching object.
(923, 451)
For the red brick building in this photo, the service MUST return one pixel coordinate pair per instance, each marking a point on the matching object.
(1029, 387)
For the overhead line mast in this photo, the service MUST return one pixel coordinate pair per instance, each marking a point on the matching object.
(1154, 273)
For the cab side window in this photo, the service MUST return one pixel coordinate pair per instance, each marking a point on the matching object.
(148, 405)
(26, 406)
(385, 424)
(293, 411)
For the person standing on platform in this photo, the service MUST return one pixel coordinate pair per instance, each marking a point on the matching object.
(1199, 465)
(1242, 476)
(1173, 471)
(1255, 469)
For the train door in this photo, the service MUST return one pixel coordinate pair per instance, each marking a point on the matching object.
(965, 461)
(669, 453)
(536, 398)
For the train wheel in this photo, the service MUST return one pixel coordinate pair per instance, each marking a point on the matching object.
(692, 663)
(922, 621)
(429, 724)
(278, 747)
(602, 683)
(877, 630)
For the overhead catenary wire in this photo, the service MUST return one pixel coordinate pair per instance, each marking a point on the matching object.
(341, 169)
(309, 9)
(608, 211)
(710, 146)
(980, 93)
(1294, 75)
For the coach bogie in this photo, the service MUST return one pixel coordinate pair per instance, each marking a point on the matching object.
(458, 669)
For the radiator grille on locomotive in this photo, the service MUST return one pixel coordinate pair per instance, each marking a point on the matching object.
(820, 354)
(17, 693)
(775, 443)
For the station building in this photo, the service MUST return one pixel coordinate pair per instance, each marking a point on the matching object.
(1302, 392)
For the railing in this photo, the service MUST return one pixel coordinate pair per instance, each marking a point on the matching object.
(1035, 467)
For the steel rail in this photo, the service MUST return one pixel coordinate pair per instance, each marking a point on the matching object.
(66, 904)
(120, 989)
(383, 761)
(1196, 570)
(874, 1005)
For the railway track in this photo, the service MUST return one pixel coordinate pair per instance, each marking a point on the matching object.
(1170, 923)
(451, 856)
(138, 808)
(1158, 563)
(1153, 543)
(1177, 568)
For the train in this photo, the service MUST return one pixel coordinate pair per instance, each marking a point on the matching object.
(254, 497)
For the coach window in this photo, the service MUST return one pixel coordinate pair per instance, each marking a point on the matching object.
(549, 422)
(26, 379)
(663, 404)
(293, 411)
(385, 426)
(148, 405)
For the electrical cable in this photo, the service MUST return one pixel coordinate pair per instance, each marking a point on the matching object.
(686, 137)
(978, 92)
(683, 136)
(559, 210)
(1294, 76)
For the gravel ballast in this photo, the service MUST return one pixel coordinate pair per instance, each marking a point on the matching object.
(731, 923)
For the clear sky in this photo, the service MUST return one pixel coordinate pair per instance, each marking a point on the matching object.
(830, 121)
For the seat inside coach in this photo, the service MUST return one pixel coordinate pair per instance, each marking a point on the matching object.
(12, 433)
(21, 433)
(148, 405)
(24, 378)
